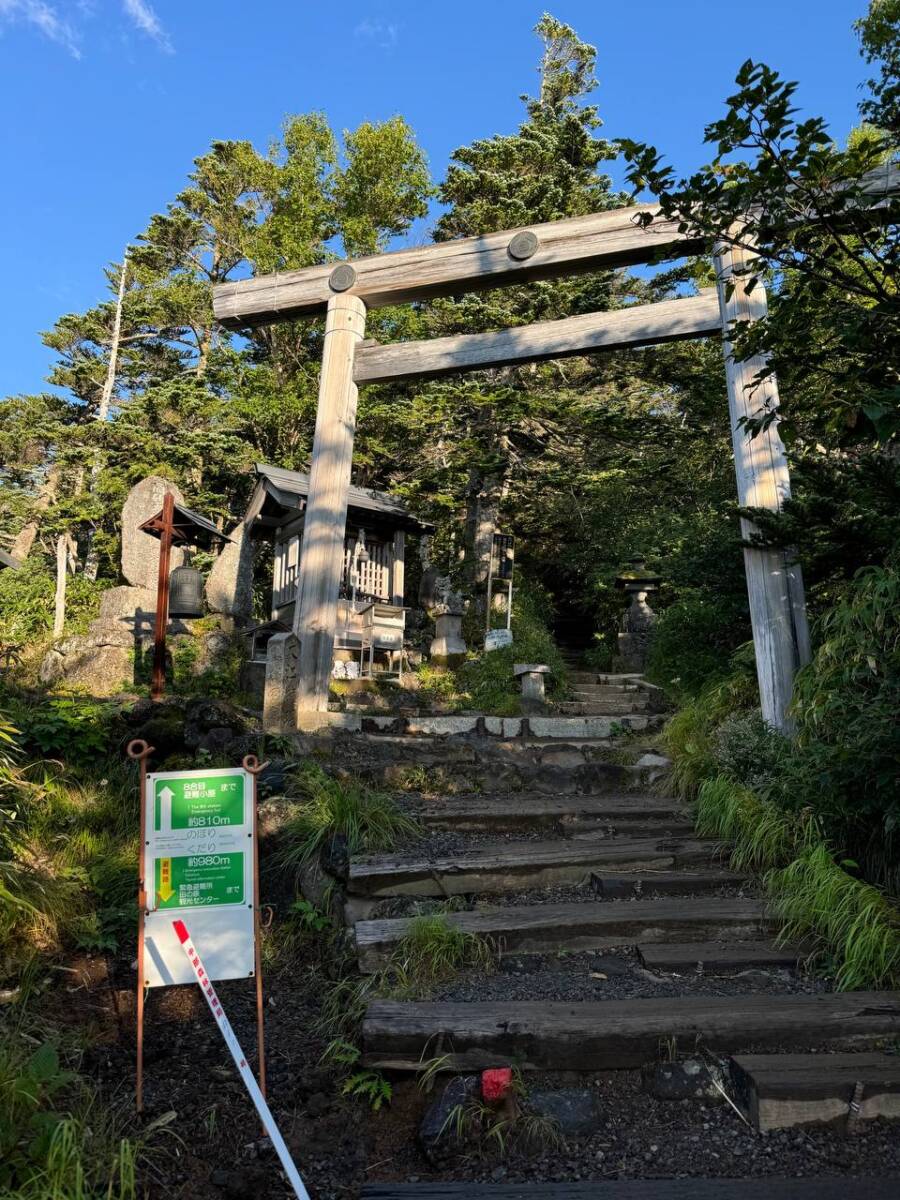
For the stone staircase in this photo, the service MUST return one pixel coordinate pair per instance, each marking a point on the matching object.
(556, 849)
(595, 694)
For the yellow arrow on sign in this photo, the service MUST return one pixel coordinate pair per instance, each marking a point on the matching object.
(166, 891)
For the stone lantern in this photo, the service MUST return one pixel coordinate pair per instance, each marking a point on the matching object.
(637, 622)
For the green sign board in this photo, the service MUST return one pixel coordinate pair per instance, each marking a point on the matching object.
(198, 880)
(199, 801)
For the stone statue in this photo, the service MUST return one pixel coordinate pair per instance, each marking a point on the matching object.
(636, 625)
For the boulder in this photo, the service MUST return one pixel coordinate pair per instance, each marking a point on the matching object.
(574, 1111)
(688, 1080)
(437, 1135)
(140, 551)
(104, 670)
(134, 607)
(229, 587)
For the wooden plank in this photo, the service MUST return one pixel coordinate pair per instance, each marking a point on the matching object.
(606, 239)
(844, 1187)
(685, 956)
(613, 1034)
(641, 325)
(623, 885)
(322, 550)
(508, 867)
(781, 1091)
(542, 928)
(614, 238)
(774, 579)
(567, 812)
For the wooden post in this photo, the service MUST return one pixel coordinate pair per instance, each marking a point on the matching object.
(138, 749)
(774, 578)
(322, 550)
(254, 767)
(398, 569)
(158, 681)
(62, 562)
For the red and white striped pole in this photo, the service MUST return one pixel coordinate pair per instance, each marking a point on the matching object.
(240, 1060)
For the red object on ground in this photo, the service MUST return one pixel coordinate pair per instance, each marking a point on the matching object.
(496, 1083)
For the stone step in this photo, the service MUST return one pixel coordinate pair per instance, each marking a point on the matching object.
(612, 691)
(781, 1091)
(579, 766)
(832, 1187)
(602, 708)
(592, 925)
(472, 725)
(518, 810)
(685, 957)
(509, 867)
(615, 1034)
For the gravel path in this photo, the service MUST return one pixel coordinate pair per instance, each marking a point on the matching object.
(639, 1136)
(611, 975)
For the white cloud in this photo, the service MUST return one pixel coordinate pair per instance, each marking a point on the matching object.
(383, 33)
(45, 18)
(147, 21)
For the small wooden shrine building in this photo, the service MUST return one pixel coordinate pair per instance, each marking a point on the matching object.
(374, 550)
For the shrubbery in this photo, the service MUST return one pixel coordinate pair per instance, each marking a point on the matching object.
(488, 679)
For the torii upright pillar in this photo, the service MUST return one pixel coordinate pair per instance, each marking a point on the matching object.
(774, 577)
(322, 546)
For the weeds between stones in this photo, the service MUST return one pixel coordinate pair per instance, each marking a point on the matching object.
(368, 820)
(488, 1128)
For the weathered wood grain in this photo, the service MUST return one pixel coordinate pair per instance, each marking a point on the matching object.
(774, 579)
(508, 867)
(322, 548)
(545, 928)
(606, 239)
(614, 1034)
(685, 956)
(641, 325)
(842, 1187)
(567, 812)
(780, 1091)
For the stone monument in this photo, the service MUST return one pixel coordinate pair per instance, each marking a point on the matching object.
(445, 607)
(636, 629)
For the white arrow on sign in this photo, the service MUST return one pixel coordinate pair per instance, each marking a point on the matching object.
(166, 795)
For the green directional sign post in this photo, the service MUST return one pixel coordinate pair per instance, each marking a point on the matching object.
(200, 856)
(199, 801)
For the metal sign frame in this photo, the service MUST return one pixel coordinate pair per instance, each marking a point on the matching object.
(212, 825)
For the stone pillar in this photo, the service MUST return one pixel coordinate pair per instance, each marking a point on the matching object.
(446, 607)
(447, 646)
(282, 669)
(533, 696)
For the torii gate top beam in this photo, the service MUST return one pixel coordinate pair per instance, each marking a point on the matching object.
(616, 238)
(605, 239)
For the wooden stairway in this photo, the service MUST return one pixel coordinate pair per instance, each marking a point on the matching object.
(636, 880)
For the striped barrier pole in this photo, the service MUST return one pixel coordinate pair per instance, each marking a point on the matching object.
(240, 1061)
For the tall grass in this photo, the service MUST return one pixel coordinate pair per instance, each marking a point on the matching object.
(850, 919)
(690, 734)
(329, 808)
(433, 949)
(851, 922)
(58, 1141)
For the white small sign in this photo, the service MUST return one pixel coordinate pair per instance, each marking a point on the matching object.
(496, 639)
(199, 860)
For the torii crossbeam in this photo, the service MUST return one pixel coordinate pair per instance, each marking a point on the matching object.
(619, 237)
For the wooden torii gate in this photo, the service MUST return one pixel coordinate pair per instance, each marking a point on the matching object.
(616, 238)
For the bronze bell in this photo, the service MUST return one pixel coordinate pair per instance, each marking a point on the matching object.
(186, 592)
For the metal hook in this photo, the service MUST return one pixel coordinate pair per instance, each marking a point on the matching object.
(138, 749)
(251, 764)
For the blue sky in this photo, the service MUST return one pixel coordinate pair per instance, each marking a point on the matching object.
(106, 102)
